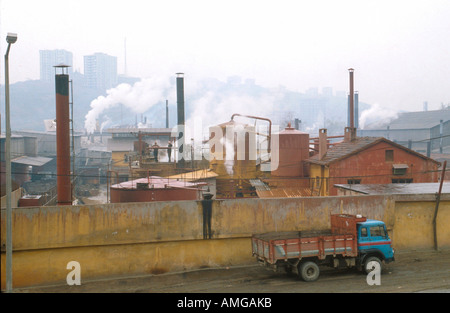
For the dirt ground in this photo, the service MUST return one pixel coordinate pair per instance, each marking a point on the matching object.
(413, 271)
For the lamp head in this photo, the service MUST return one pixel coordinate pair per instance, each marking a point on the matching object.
(11, 38)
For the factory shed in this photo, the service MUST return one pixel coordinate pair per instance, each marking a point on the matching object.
(391, 189)
(27, 168)
(425, 131)
(31, 161)
(369, 160)
(204, 176)
(154, 188)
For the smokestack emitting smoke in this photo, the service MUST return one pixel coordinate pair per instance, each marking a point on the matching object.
(210, 103)
(377, 116)
(64, 185)
(180, 115)
(137, 98)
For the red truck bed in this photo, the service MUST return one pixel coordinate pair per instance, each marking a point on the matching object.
(341, 239)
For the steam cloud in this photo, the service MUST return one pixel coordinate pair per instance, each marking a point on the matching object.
(207, 102)
(377, 116)
(138, 98)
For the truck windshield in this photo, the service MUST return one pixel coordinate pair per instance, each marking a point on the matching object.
(377, 231)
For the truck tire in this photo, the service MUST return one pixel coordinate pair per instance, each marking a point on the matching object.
(309, 271)
(371, 262)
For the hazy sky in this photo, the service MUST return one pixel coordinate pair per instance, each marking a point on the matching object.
(400, 50)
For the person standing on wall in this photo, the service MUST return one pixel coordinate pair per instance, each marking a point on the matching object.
(155, 151)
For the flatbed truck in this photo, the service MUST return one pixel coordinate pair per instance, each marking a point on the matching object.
(352, 241)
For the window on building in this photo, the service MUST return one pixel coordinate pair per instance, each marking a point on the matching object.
(389, 155)
(399, 169)
(354, 181)
(402, 180)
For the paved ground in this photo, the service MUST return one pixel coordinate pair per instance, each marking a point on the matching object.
(413, 271)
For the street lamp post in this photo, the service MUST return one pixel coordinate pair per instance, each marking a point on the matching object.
(10, 39)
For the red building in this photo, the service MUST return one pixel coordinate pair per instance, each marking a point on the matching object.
(368, 160)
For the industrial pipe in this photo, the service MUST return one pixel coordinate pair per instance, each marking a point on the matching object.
(258, 118)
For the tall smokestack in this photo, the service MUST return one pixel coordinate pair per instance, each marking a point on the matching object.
(167, 113)
(356, 110)
(352, 100)
(64, 186)
(180, 115)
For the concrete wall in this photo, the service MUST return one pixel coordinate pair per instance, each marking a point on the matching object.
(15, 196)
(413, 222)
(149, 238)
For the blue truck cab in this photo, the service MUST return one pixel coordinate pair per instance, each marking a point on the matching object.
(374, 242)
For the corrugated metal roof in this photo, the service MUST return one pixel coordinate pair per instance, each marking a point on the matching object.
(33, 161)
(285, 193)
(259, 185)
(416, 120)
(413, 188)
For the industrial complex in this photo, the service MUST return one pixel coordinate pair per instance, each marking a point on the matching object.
(131, 198)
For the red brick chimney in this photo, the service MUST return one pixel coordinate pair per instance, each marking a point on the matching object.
(350, 134)
(323, 143)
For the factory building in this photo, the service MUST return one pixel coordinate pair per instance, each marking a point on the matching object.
(368, 160)
(130, 148)
(425, 132)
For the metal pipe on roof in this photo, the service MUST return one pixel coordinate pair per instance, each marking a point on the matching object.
(258, 118)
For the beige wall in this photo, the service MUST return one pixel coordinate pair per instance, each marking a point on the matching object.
(144, 238)
(15, 196)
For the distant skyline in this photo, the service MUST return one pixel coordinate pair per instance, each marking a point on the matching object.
(50, 58)
(399, 49)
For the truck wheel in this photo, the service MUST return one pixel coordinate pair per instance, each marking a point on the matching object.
(371, 263)
(309, 271)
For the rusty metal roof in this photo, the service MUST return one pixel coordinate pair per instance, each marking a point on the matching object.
(285, 193)
(344, 150)
(413, 188)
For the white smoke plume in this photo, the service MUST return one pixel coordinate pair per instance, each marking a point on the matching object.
(377, 116)
(207, 103)
(137, 98)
